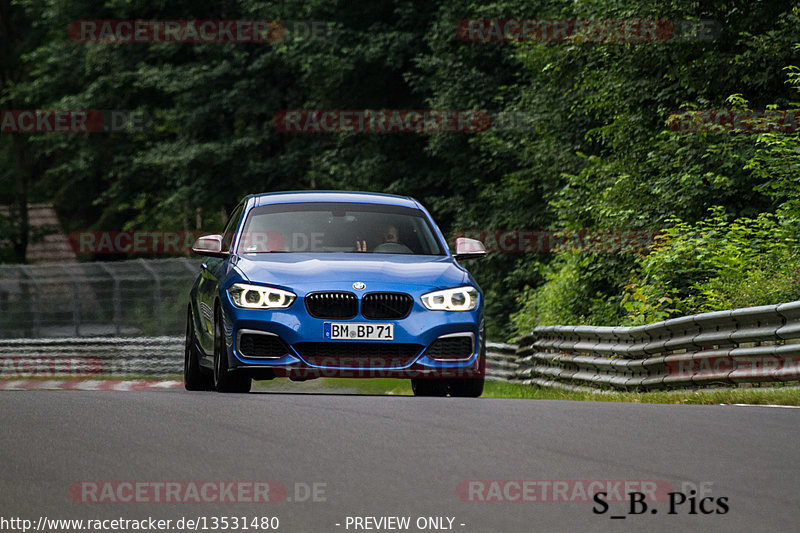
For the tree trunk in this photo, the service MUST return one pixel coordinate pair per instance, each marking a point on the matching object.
(19, 211)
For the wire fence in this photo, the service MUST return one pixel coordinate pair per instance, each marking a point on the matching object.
(137, 298)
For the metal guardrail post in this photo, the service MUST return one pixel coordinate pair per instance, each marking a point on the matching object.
(156, 295)
(37, 307)
(76, 300)
(116, 297)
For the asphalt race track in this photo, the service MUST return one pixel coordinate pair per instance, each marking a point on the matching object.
(386, 456)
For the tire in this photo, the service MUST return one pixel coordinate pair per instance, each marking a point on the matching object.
(471, 387)
(467, 387)
(225, 381)
(194, 378)
(429, 387)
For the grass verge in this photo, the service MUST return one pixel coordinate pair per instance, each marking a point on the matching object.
(750, 395)
(498, 389)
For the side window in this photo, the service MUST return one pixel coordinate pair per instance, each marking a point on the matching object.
(230, 229)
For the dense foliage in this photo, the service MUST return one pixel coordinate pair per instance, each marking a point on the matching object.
(586, 144)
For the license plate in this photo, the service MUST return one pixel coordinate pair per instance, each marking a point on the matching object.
(358, 331)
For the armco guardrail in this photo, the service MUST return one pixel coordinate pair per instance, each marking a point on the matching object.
(750, 345)
(123, 356)
(501, 361)
(88, 356)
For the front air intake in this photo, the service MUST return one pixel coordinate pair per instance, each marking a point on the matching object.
(259, 345)
(451, 348)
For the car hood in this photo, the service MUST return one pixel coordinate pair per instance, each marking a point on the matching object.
(302, 269)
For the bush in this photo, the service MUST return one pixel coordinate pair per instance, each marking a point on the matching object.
(717, 264)
(576, 290)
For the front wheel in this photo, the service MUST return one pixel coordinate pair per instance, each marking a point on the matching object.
(194, 378)
(467, 387)
(471, 387)
(225, 381)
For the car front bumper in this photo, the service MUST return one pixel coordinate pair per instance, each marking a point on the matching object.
(297, 330)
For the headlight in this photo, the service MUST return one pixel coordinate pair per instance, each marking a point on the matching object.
(258, 297)
(460, 299)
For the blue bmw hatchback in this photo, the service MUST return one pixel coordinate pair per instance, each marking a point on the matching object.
(334, 284)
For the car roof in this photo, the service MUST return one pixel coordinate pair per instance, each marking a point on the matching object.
(332, 196)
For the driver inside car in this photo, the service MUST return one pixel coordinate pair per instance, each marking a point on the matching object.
(388, 235)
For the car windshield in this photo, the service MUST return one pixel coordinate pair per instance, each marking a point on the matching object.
(338, 227)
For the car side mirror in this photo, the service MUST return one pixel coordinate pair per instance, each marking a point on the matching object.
(210, 245)
(469, 248)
